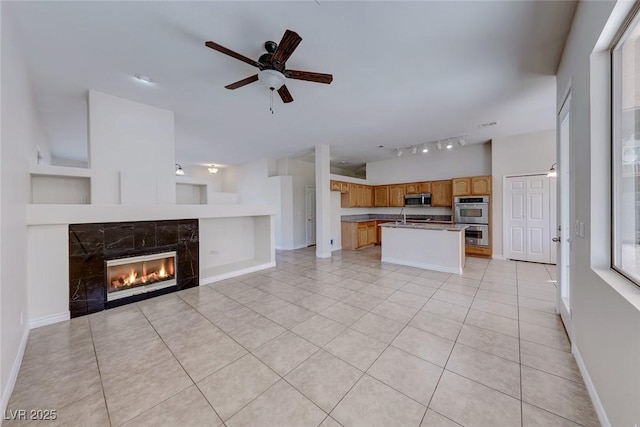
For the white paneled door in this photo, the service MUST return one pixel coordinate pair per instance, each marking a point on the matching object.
(527, 218)
(310, 207)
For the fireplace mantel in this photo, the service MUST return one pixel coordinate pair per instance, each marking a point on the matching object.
(80, 214)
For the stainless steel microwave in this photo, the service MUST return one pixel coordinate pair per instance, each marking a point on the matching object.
(423, 199)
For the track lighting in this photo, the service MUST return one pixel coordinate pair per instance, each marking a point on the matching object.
(398, 152)
(449, 145)
(179, 170)
(414, 149)
(425, 149)
(439, 145)
(461, 141)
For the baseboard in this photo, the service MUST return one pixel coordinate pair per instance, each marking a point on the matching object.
(595, 399)
(336, 248)
(49, 320)
(13, 375)
(280, 248)
(236, 273)
(422, 265)
(499, 257)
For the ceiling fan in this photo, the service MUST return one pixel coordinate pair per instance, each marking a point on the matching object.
(273, 72)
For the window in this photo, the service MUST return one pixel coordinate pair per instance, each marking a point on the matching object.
(626, 150)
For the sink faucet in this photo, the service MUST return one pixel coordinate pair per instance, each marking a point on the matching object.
(403, 212)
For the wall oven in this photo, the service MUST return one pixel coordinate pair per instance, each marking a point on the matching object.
(477, 235)
(471, 210)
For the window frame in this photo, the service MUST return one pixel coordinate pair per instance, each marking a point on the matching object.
(632, 19)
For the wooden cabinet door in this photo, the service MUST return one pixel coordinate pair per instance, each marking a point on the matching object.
(381, 196)
(335, 185)
(461, 186)
(396, 195)
(372, 235)
(411, 188)
(441, 193)
(344, 187)
(424, 187)
(353, 195)
(481, 185)
(363, 236)
(368, 196)
(359, 195)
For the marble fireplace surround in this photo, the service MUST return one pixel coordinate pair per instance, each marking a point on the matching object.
(90, 245)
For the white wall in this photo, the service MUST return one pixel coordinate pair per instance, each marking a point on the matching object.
(131, 152)
(252, 183)
(606, 307)
(303, 174)
(21, 133)
(469, 160)
(61, 161)
(518, 154)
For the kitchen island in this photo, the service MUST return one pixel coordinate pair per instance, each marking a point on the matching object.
(437, 247)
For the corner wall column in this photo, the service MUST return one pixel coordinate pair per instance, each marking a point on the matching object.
(323, 202)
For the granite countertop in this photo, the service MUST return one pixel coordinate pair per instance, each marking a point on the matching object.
(433, 219)
(426, 226)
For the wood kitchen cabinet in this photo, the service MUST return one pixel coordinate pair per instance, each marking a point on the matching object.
(356, 235)
(367, 196)
(481, 185)
(381, 196)
(335, 185)
(461, 186)
(396, 195)
(441, 193)
(417, 188)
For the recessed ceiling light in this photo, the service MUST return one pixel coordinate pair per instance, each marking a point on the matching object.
(143, 78)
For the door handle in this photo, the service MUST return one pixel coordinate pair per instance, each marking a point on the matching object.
(555, 239)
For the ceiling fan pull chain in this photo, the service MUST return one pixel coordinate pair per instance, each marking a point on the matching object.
(271, 106)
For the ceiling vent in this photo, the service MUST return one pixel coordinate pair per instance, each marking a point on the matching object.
(488, 124)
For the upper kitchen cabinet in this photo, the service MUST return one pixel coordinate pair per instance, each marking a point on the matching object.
(381, 196)
(441, 193)
(472, 186)
(417, 188)
(335, 185)
(357, 196)
(367, 196)
(396, 195)
(461, 186)
(481, 185)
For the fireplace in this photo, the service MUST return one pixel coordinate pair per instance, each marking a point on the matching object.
(137, 275)
(103, 255)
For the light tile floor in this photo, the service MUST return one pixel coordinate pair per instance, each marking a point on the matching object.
(318, 342)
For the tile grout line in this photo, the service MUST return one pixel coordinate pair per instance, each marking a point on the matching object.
(451, 352)
(95, 353)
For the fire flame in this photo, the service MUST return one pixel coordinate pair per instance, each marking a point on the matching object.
(134, 279)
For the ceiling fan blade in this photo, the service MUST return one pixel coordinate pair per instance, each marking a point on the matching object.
(242, 82)
(285, 95)
(222, 49)
(290, 40)
(309, 76)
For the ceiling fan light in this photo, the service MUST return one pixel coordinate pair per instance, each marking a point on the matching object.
(272, 79)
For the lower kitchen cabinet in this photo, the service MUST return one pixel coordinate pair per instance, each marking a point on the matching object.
(356, 235)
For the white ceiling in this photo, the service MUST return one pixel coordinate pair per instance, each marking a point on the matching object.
(404, 73)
